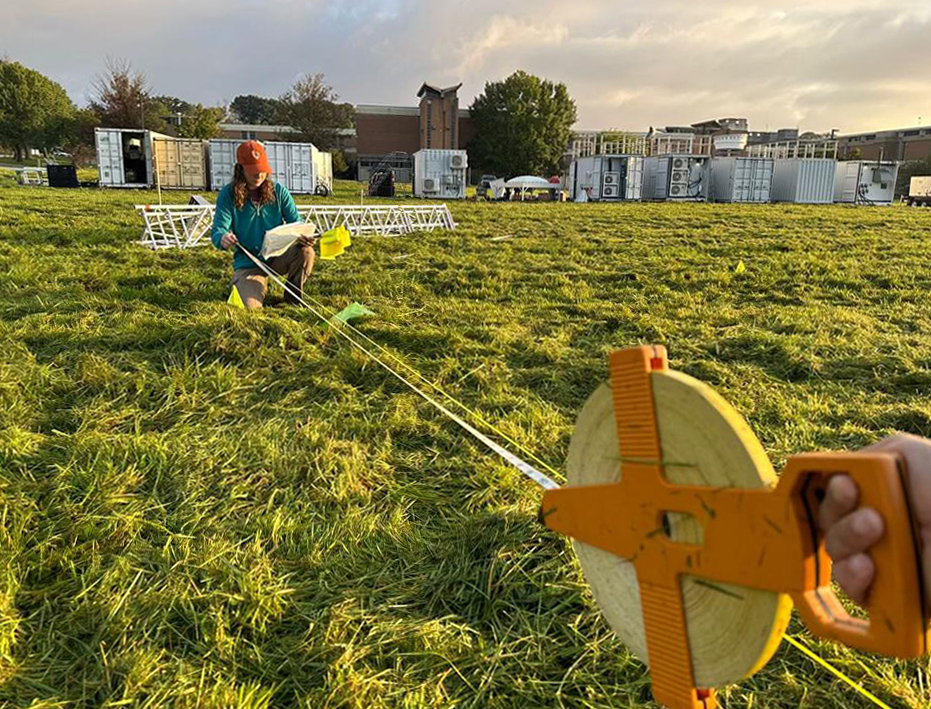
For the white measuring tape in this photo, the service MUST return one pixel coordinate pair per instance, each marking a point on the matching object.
(524, 467)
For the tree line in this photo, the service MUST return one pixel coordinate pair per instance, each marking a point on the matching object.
(522, 123)
(37, 113)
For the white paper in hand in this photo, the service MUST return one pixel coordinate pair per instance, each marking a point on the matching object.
(279, 239)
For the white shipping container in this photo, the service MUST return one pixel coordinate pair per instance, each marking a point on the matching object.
(804, 180)
(675, 177)
(292, 164)
(124, 157)
(738, 179)
(440, 174)
(606, 178)
(865, 182)
(180, 163)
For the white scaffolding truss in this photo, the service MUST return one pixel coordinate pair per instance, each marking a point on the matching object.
(184, 226)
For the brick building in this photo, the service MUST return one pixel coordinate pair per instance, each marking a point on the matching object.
(390, 135)
(902, 144)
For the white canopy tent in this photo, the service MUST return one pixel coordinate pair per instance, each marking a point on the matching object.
(526, 183)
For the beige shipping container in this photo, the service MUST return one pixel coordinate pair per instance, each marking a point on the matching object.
(180, 163)
(323, 169)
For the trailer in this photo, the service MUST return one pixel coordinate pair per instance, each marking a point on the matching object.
(681, 178)
(740, 179)
(919, 192)
(606, 178)
(869, 182)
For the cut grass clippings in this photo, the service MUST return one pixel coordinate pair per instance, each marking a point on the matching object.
(206, 507)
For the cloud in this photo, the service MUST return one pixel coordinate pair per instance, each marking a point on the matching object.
(826, 64)
(509, 33)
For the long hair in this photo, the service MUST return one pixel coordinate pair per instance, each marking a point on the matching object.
(241, 189)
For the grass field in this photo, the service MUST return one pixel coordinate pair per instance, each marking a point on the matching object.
(205, 507)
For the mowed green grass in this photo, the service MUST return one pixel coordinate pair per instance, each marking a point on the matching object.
(205, 507)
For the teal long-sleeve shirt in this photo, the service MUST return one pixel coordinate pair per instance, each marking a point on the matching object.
(250, 223)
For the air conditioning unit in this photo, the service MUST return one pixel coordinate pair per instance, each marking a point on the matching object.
(429, 184)
(676, 190)
(457, 161)
(610, 192)
(678, 163)
(612, 178)
(680, 176)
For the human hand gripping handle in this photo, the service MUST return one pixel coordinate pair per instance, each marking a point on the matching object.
(891, 521)
(228, 240)
(851, 529)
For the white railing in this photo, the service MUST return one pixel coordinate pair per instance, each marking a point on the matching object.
(791, 149)
(184, 226)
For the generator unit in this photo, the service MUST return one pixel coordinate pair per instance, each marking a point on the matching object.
(606, 178)
(739, 179)
(867, 182)
(675, 177)
(804, 180)
(440, 174)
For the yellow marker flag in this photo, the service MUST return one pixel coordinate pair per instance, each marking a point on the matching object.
(235, 299)
(344, 236)
(334, 242)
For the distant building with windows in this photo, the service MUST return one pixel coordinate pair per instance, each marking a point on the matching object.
(902, 144)
(247, 131)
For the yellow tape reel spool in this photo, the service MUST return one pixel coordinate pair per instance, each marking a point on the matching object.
(733, 631)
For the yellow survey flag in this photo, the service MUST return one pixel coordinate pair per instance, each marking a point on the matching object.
(235, 299)
(334, 242)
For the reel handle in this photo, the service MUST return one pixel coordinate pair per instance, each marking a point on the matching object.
(897, 604)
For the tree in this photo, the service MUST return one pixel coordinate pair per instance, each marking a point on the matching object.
(174, 104)
(523, 125)
(310, 108)
(34, 110)
(340, 164)
(121, 99)
(78, 139)
(201, 122)
(253, 109)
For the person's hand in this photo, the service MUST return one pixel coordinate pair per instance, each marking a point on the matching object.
(310, 240)
(228, 240)
(851, 530)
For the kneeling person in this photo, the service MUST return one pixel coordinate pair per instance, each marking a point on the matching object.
(248, 207)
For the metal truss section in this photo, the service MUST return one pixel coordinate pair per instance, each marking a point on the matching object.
(382, 221)
(176, 226)
(184, 226)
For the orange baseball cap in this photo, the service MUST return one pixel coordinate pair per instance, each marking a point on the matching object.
(252, 156)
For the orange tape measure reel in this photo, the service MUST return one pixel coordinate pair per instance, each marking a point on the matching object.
(696, 554)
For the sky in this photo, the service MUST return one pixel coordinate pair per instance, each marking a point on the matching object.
(853, 65)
